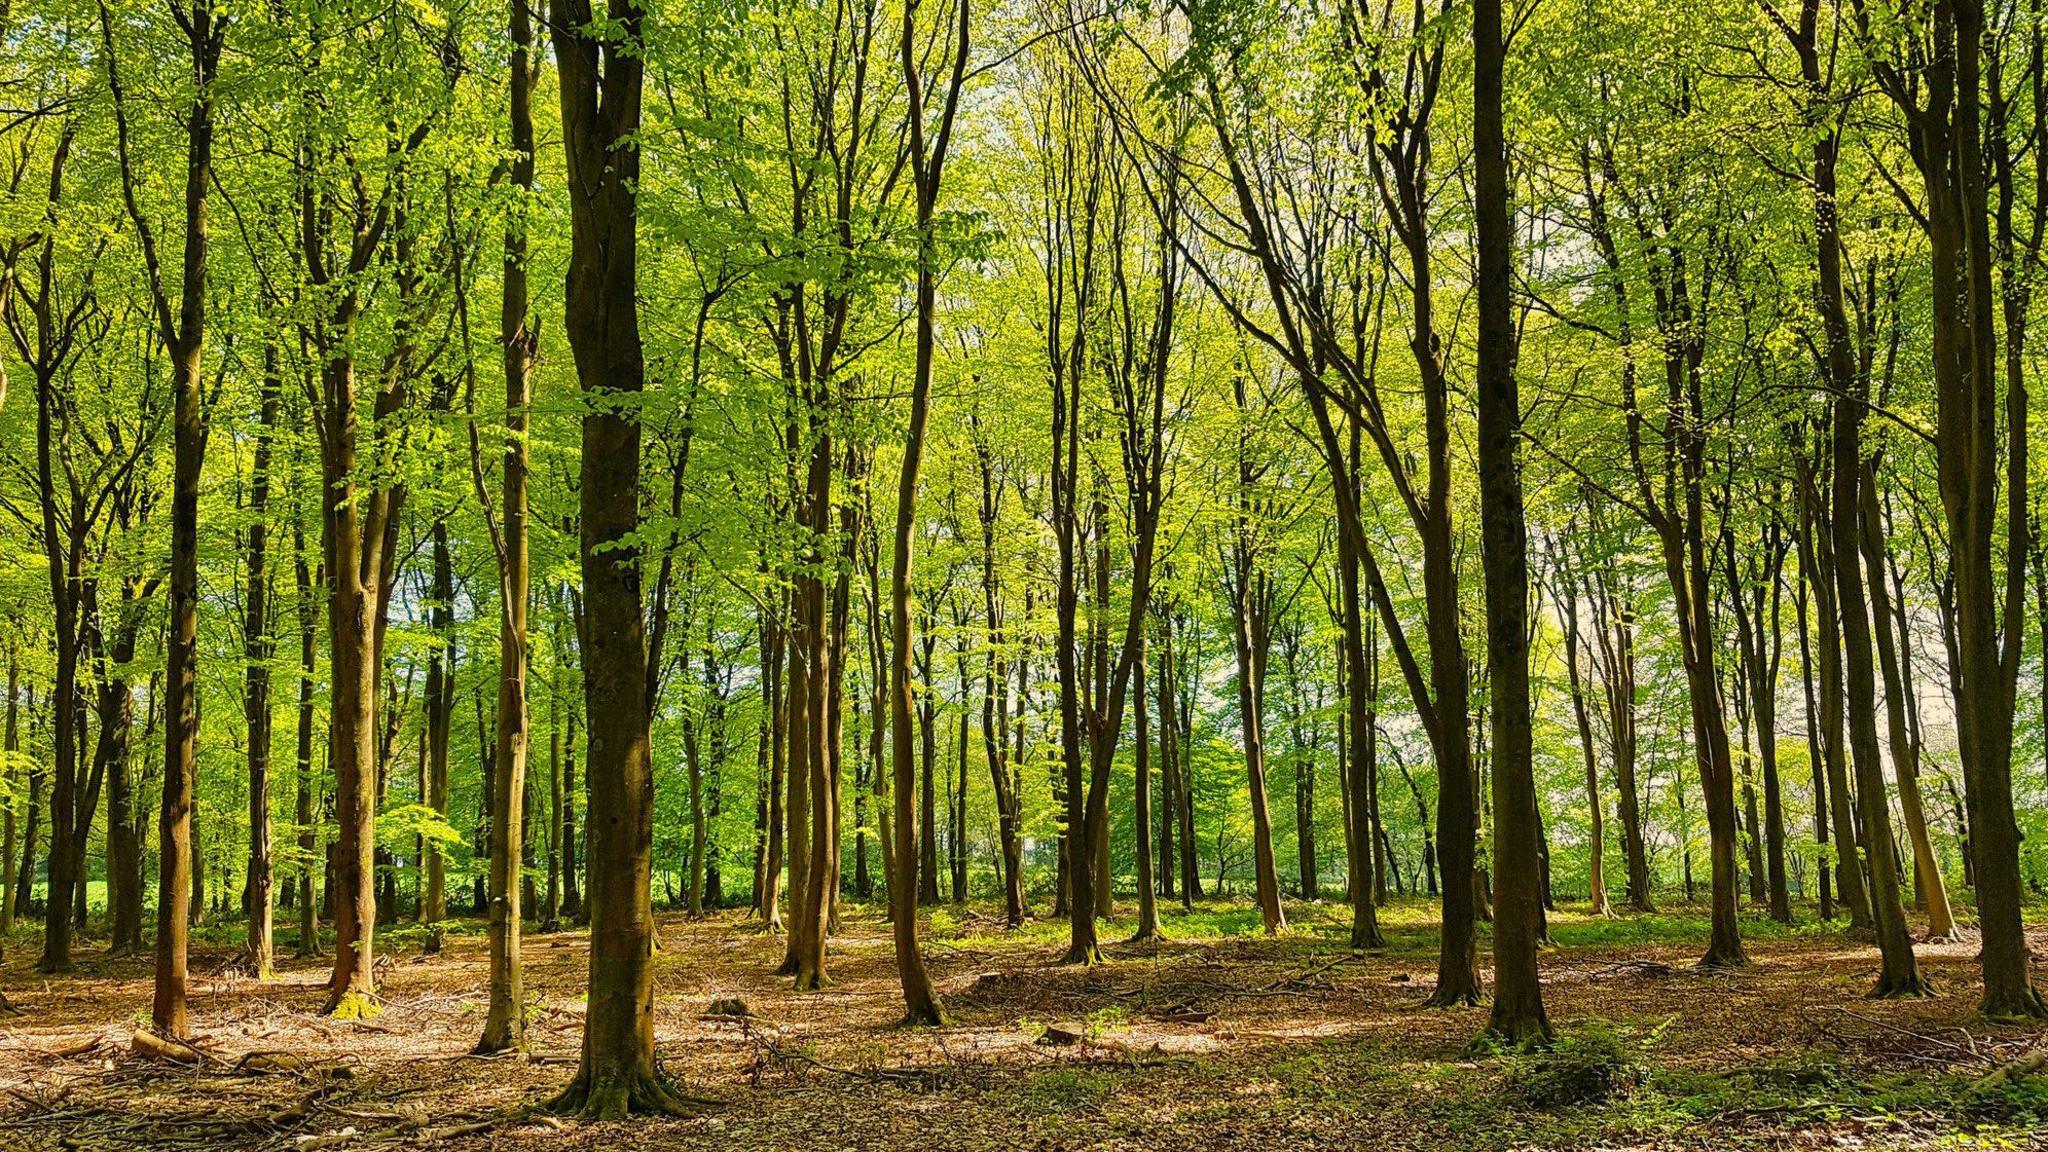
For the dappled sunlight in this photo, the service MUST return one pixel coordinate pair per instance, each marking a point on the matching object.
(1220, 1037)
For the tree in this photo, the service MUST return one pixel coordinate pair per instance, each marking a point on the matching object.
(1518, 900)
(602, 75)
(929, 143)
(505, 1025)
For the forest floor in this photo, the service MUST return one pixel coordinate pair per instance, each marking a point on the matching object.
(1217, 1038)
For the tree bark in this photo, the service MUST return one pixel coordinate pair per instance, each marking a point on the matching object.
(927, 166)
(1518, 1014)
(505, 1020)
(601, 75)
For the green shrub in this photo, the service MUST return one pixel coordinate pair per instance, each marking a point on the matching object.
(1593, 1063)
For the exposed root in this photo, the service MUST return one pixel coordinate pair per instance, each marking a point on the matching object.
(616, 1096)
(1904, 989)
(1724, 961)
(494, 1043)
(1453, 998)
(2026, 1065)
(2023, 1004)
(1520, 1034)
(1086, 955)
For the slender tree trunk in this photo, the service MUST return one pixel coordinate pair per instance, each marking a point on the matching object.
(185, 337)
(304, 803)
(921, 1003)
(1360, 770)
(551, 914)
(257, 647)
(1141, 811)
(1253, 602)
(440, 718)
(1596, 835)
(1818, 561)
(1900, 975)
(115, 751)
(505, 1020)
(1815, 753)
(10, 748)
(1931, 889)
(1518, 901)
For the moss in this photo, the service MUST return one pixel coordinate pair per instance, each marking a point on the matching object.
(355, 1006)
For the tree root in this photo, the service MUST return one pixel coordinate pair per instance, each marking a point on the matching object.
(618, 1095)
(1723, 961)
(1522, 1034)
(1888, 989)
(1453, 996)
(1085, 955)
(2025, 1004)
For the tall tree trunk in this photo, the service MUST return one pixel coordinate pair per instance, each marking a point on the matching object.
(10, 748)
(185, 336)
(1360, 770)
(927, 784)
(1251, 607)
(927, 166)
(505, 1020)
(1141, 810)
(114, 751)
(1939, 84)
(1817, 568)
(1814, 752)
(600, 82)
(1596, 836)
(304, 803)
(257, 646)
(1900, 975)
(551, 911)
(1930, 888)
(440, 718)
(1518, 899)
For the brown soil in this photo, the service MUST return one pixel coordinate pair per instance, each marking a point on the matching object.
(1232, 1042)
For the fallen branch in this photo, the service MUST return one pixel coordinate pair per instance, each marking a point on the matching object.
(2013, 1069)
(154, 1047)
(1903, 1031)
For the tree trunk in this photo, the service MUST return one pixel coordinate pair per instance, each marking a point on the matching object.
(600, 93)
(114, 751)
(1596, 836)
(1252, 603)
(1141, 811)
(1518, 900)
(304, 806)
(927, 164)
(10, 748)
(1817, 565)
(1931, 889)
(185, 337)
(257, 647)
(505, 1020)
